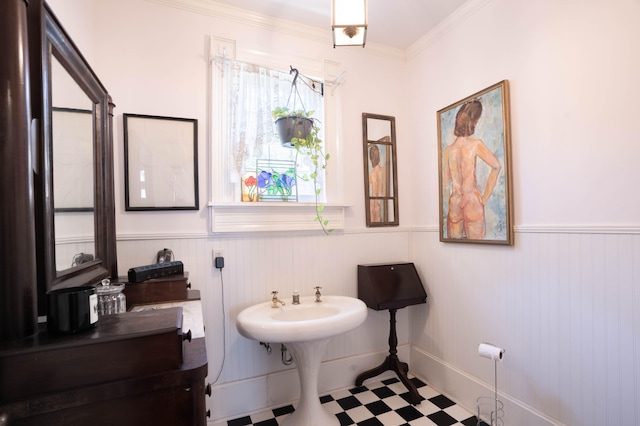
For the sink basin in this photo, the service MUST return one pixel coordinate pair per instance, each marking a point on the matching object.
(298, 323)
(306, 313)
(306, 329)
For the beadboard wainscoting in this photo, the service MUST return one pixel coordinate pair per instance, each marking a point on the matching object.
(564, 304)
(270, 391)
(254, 266)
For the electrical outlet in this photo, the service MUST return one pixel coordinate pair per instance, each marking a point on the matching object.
(217, 253)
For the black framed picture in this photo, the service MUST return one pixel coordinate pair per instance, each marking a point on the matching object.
(161, 163)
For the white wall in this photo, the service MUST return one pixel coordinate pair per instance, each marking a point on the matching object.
(562, 301)
(153, 60)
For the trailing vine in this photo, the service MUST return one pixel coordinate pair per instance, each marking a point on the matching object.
(309, 145)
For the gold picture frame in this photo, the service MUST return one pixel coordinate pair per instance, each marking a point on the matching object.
(474, 168)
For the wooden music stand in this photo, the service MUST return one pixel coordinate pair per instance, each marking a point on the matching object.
(392, 287)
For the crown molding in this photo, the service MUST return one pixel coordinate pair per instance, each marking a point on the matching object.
(270, 23)
(449, 23)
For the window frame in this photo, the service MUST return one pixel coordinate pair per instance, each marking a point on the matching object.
(229, 216)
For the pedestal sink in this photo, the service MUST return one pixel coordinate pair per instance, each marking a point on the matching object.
(306, 329)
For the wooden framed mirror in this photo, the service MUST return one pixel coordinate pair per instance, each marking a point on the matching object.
(380, 171)
(75, 222)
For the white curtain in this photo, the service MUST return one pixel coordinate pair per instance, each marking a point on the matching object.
(252, 93)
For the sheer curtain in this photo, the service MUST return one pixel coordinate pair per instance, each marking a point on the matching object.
(252, 93)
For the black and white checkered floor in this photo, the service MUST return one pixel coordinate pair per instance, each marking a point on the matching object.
(378, 404)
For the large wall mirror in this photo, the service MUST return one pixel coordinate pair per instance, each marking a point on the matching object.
(380, 172)
(76, 238)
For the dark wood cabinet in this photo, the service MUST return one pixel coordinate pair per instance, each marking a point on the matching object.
(133, 368)
(157, 290)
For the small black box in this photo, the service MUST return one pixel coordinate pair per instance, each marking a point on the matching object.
(219, 262)
(155, 270)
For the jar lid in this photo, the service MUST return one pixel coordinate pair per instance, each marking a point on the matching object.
(106, 287)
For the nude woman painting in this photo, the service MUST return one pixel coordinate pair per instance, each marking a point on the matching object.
(466, 203)
(473, 195)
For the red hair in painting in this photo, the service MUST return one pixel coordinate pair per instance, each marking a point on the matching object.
(467, 118)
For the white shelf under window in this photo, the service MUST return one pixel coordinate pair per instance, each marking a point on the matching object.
(273, 216)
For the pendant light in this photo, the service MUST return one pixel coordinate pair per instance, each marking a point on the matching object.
(349, 22)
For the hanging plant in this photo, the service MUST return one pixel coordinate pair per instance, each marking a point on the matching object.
(292, 124)
(299, 130)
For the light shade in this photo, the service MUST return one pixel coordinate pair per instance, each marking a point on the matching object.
(349, 22)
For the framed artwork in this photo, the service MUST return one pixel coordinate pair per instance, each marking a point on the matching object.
(380, 172)
(161, 163)
(474, 168)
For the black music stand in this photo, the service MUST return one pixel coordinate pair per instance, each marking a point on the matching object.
(392, 287)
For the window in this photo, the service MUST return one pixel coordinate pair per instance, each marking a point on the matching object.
(242, 132)
(251, 92)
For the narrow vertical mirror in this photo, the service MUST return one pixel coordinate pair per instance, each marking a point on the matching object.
(380, 174)
(72, 149)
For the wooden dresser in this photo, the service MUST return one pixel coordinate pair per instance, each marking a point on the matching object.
(135, 368)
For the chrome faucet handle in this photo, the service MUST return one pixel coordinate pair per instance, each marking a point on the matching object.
(275, 300)
(318, 295)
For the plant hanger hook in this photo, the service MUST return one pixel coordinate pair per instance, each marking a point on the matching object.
(294, 86)
(295, 77)
(295, 73)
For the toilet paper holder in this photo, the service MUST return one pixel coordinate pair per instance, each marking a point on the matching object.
(491, 408)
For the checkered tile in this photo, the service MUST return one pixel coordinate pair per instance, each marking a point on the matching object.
(383, 403)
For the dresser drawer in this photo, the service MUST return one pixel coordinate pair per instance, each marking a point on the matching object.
(122, 346)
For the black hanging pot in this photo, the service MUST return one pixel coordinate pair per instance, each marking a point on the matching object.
(293, 127)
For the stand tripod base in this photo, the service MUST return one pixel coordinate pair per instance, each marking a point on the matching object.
(400, 368)
(394, 364)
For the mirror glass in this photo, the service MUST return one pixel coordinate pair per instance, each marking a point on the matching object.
(72, 149)
(380, 174)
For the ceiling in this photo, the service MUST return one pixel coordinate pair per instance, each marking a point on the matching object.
(396, 23)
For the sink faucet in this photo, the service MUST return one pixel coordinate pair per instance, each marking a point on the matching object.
(318, 295)
(275, 300)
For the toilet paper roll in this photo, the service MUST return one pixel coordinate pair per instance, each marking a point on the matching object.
(487, 350)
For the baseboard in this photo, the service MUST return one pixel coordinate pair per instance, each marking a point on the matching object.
(236, 399)
(465, 389)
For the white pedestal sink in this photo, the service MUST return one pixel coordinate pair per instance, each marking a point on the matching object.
(306, 329)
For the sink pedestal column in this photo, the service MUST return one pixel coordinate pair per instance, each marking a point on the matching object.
(309, 412)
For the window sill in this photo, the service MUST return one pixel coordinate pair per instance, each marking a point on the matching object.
(273, 216)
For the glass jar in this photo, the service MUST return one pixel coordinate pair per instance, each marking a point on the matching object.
(111, 300)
